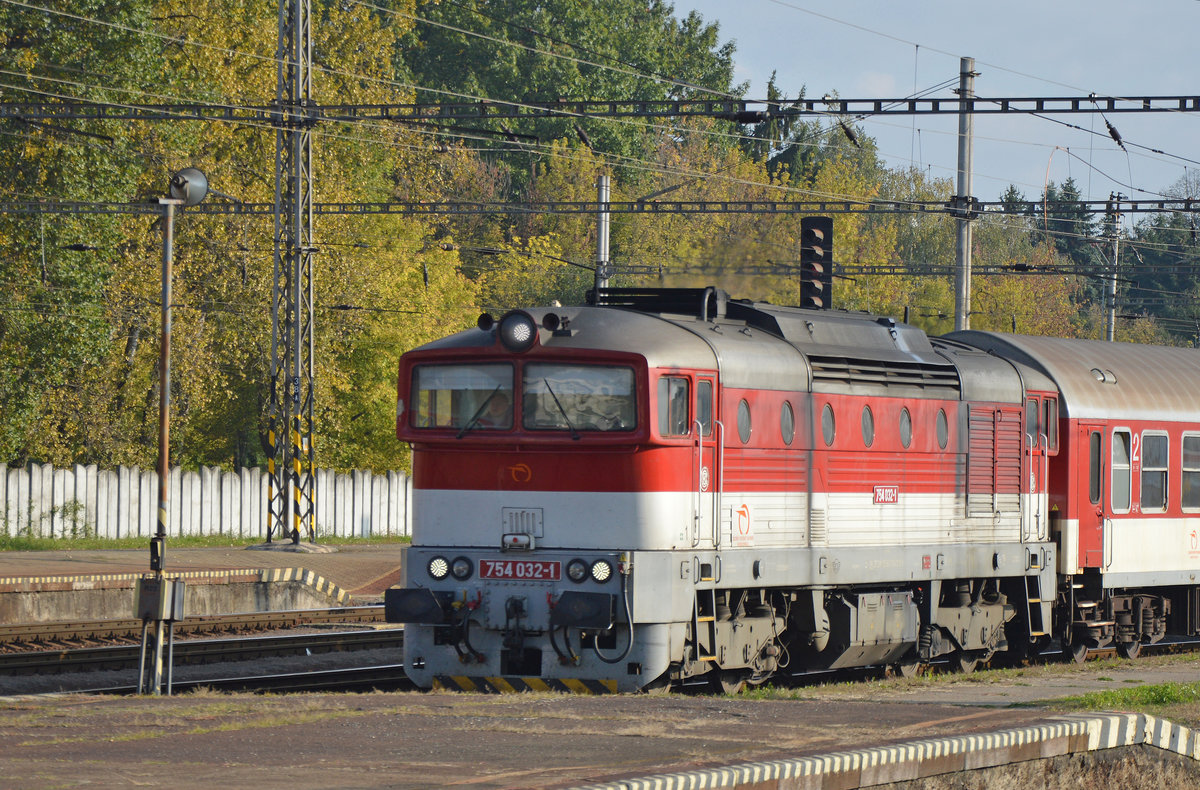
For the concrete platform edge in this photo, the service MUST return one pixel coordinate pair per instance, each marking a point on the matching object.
(89, 582)
(1060, 736)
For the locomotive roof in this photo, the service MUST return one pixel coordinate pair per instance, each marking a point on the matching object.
(597, 328)
(1098, 379)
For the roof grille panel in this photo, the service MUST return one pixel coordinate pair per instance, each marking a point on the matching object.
(846, 371)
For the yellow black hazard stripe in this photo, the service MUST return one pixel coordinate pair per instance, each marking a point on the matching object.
(509, 685)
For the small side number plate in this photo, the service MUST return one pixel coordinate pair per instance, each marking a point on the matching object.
(524, 570)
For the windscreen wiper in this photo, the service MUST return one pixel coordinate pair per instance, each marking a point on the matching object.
(471, 423)
(561, 410)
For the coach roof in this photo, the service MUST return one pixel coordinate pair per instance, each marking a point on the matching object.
(1106, 380)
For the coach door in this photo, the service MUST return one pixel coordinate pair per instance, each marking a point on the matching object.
(1092, 481)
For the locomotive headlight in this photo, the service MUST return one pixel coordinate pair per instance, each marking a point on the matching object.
(438, 567)
(518, 331)
(602, 570)
(462, 568)
(577, 570)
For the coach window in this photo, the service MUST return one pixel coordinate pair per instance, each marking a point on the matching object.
(1050, 422)
(744, 421)
(1191, 473)
(868, 426)
(905, 428)
(828, 427)
(787, 423)
(1121, 471)
(943, 429)
(704, 406)
(1094, 468)
(1154, 472)
(673, 406)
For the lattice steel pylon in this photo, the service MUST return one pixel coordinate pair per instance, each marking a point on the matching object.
(292, 486)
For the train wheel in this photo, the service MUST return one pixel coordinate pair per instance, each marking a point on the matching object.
(964, 661)
(660, 685)
(1077, 652)
(728, 681)
(1130, 649)
(907, 669)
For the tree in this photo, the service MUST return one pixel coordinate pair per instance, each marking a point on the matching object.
(54, 325)
(544, 50)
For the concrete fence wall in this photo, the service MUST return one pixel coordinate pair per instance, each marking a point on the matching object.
(42, 501)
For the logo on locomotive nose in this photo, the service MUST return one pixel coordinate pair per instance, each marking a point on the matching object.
(521, 473)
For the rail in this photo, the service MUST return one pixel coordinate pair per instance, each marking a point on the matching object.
(26, 636)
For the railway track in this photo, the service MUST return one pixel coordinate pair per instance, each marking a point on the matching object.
(98, 633)
(274, 650)
(200, 651)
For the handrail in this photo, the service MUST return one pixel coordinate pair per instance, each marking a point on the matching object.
(718, 481)
(699, 450)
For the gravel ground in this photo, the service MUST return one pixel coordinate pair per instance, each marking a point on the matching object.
(418, 740)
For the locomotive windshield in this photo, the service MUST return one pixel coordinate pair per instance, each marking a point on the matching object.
(577, 397)
(462, 396)
(554, 396)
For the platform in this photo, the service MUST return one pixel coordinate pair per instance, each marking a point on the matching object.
(47, 586)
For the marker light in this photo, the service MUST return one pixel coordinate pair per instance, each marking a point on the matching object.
(601, 570)
(462, 568)
(438, 567)
(577, 570)
(518, 332)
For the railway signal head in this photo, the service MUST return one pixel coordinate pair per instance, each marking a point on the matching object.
(816, 262)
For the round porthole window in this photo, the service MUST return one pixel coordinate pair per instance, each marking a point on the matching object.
(744, 421)
(905, 428)
(943, 429)
(787, 423)
(827, 425)
(868, 426)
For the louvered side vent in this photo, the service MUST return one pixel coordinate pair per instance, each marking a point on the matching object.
(994, 461)
(844, 371)
(816, 527)
(981, 454)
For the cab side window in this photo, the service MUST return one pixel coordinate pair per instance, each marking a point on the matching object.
(673, 399)
(704, 406)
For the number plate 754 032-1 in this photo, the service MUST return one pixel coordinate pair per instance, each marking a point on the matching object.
(523, 570)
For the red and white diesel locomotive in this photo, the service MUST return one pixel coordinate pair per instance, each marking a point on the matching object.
(666, 485)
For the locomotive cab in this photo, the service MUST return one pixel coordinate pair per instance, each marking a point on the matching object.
(544, 455)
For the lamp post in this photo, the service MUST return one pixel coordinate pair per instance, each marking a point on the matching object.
(157, 599)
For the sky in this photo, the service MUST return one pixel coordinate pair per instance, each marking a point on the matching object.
(869, 49)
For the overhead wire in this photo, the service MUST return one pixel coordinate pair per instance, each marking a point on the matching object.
(998, 67)
(646, 165)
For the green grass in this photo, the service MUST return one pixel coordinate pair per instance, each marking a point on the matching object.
(23, 543)
(1142, 698)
